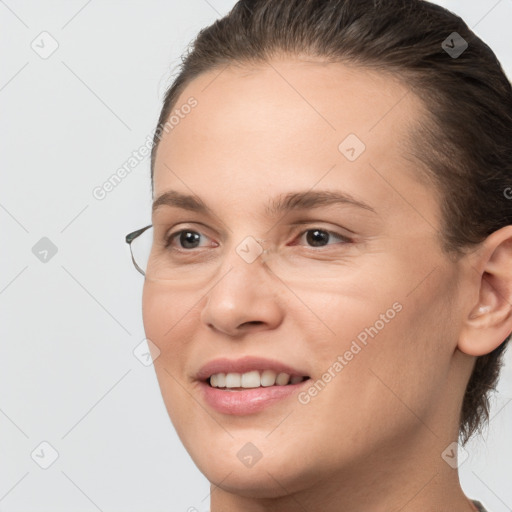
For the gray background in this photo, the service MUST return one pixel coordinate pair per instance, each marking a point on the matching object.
(70, 325)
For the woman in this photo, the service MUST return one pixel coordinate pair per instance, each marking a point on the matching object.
(328, 288)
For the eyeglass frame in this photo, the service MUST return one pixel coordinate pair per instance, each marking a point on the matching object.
(130, 237)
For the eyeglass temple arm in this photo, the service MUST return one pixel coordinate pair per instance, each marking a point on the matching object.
(130, 237)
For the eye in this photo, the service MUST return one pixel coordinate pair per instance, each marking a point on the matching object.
(186, 238)
(320, 237)
(191, 239)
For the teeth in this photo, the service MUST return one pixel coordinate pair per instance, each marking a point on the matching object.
(253, 379)
(221, 380)
(233, 380)
(282, 379)
(268, 378)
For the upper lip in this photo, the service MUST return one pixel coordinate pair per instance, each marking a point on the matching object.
(246, 364)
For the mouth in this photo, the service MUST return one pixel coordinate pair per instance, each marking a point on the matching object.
(234, 381)
(249, 385)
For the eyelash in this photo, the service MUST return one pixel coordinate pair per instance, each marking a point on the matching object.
(170, 238)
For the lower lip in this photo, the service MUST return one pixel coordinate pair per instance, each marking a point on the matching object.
(249, 401)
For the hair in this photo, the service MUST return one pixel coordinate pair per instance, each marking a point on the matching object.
(463, 143)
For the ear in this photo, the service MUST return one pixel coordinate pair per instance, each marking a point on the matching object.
(489, 321)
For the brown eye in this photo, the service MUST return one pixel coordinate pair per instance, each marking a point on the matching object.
(186, 239)
(321, 237)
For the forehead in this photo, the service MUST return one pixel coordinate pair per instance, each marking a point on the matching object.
(285, 125)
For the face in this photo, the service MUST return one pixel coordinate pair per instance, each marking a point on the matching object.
(354, 294)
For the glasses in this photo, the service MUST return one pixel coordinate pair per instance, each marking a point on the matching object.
(140, 247)
(155, 255)
(157, 260)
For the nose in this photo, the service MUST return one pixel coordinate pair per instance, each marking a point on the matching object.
(246, 297)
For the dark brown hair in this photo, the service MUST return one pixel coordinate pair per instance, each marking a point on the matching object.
(464, 141)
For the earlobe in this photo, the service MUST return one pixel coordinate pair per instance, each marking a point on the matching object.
(489, 322)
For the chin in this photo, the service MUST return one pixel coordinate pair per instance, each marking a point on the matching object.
(275, 474)
(265, 481)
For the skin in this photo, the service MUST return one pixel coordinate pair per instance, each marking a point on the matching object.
(372, 439)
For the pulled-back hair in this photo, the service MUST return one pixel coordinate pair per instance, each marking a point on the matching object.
(463, 144)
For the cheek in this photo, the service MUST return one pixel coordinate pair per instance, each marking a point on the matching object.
(168, 320)
(166, 312)
(154, 306)
(389, 355)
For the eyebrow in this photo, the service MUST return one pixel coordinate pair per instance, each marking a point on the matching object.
(281, 204)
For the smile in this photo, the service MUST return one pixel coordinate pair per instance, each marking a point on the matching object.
(249, 384)
(253, 379)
